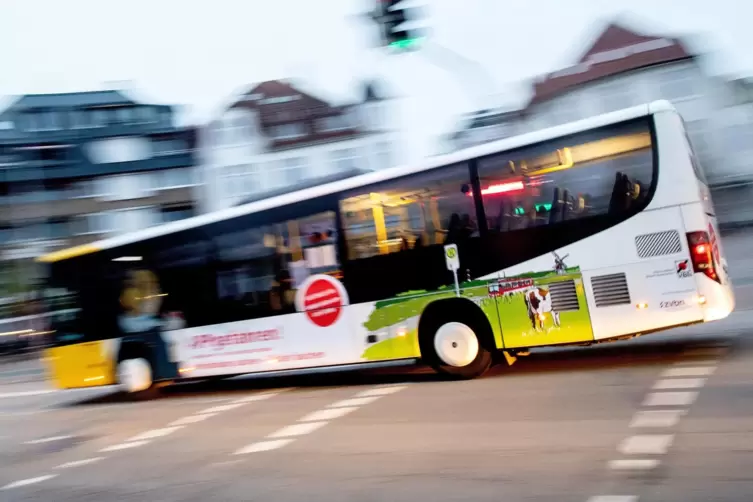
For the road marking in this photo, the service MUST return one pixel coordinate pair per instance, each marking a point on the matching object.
(670, 399)
(634, 464)
(679, 383)
(155, 433)
(42, 392)
(657, 418)
(221, 408)
(78, 463)
(356, 401)
(646, 444)
(316, 420)
(300, 429)
(27, 482)
(191, 419)
(327, 414)
(614, 498)
(124, 446)
(48, 440)
(691, 371)
(260, 397)
(264, 446)
(381, 391)
(25, 393)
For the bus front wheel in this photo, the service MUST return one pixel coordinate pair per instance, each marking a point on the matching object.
(136, 378)
(457, 351)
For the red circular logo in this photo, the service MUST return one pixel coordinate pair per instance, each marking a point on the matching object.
(322, 302)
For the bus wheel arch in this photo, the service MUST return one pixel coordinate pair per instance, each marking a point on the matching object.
(135, 370)
(455, 338)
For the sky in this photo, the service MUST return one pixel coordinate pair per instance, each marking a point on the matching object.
(198, 54)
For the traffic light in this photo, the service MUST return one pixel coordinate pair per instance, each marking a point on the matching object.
(394, 18)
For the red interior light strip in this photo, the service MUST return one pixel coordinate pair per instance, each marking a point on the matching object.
(502, 188)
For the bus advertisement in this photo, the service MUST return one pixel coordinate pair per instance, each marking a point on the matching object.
(593, 231)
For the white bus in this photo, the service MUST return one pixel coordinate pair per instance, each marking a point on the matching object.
(593, 231)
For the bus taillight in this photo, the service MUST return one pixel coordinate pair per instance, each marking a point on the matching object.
(701, 254)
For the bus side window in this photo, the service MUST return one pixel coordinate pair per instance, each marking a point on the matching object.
(424, 209)
(606, 164)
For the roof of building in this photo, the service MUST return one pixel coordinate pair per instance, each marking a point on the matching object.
(278, 102)
(73, 99)
(617, 50)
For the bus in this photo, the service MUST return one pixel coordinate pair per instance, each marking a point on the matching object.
(597, 230)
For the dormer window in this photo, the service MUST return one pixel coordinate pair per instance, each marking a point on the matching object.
(288, 131)
(333, 123)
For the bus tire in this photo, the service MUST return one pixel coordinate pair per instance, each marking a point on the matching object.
(136, 378)
(457, 346)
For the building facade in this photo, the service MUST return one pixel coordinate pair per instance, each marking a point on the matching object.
(276, 136)
(623, 68)
(78, 167)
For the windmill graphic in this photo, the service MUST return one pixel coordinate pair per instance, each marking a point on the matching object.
(559, 263)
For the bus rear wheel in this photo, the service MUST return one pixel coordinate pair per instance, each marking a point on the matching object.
(457, 351)
(136, 378)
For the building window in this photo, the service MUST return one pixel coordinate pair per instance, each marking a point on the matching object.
(294, 170)
(175, 178)
(677, 85)
(127, 186)
(288, 131)
(345, 160)
(429, 208)
(170, 214)
(384, 155)
(241, 181)
(333, 123)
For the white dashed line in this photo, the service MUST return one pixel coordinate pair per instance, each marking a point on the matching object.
(691, 371)
(155, 433)
(679, 383)
(27, 482)
(300, 429)
(647, 444)
(123, 446)
(221, 408)
(27, 393)
(316, 420)
(79, 463)
(327, 414)
(614, 498)
(191, 419)
(48, 440)
(670, 399)
(381, 391)
(657, 418)
(634, 464)
(259, 397)
(356, 401)
(264, 446)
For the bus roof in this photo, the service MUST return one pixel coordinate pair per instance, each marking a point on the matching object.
(364, 179)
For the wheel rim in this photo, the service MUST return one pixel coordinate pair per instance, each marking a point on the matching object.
(135, 375)
(456, 344)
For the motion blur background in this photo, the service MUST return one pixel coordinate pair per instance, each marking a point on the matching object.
(116, 116)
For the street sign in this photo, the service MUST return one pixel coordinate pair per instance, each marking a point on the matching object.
(451, 257)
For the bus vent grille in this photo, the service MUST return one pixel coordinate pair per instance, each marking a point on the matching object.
(564, 296)
(658, 244)
(610, 290)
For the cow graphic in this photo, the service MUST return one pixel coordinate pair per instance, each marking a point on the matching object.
(539, 303)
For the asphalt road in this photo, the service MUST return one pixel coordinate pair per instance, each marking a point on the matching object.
(663, 418)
